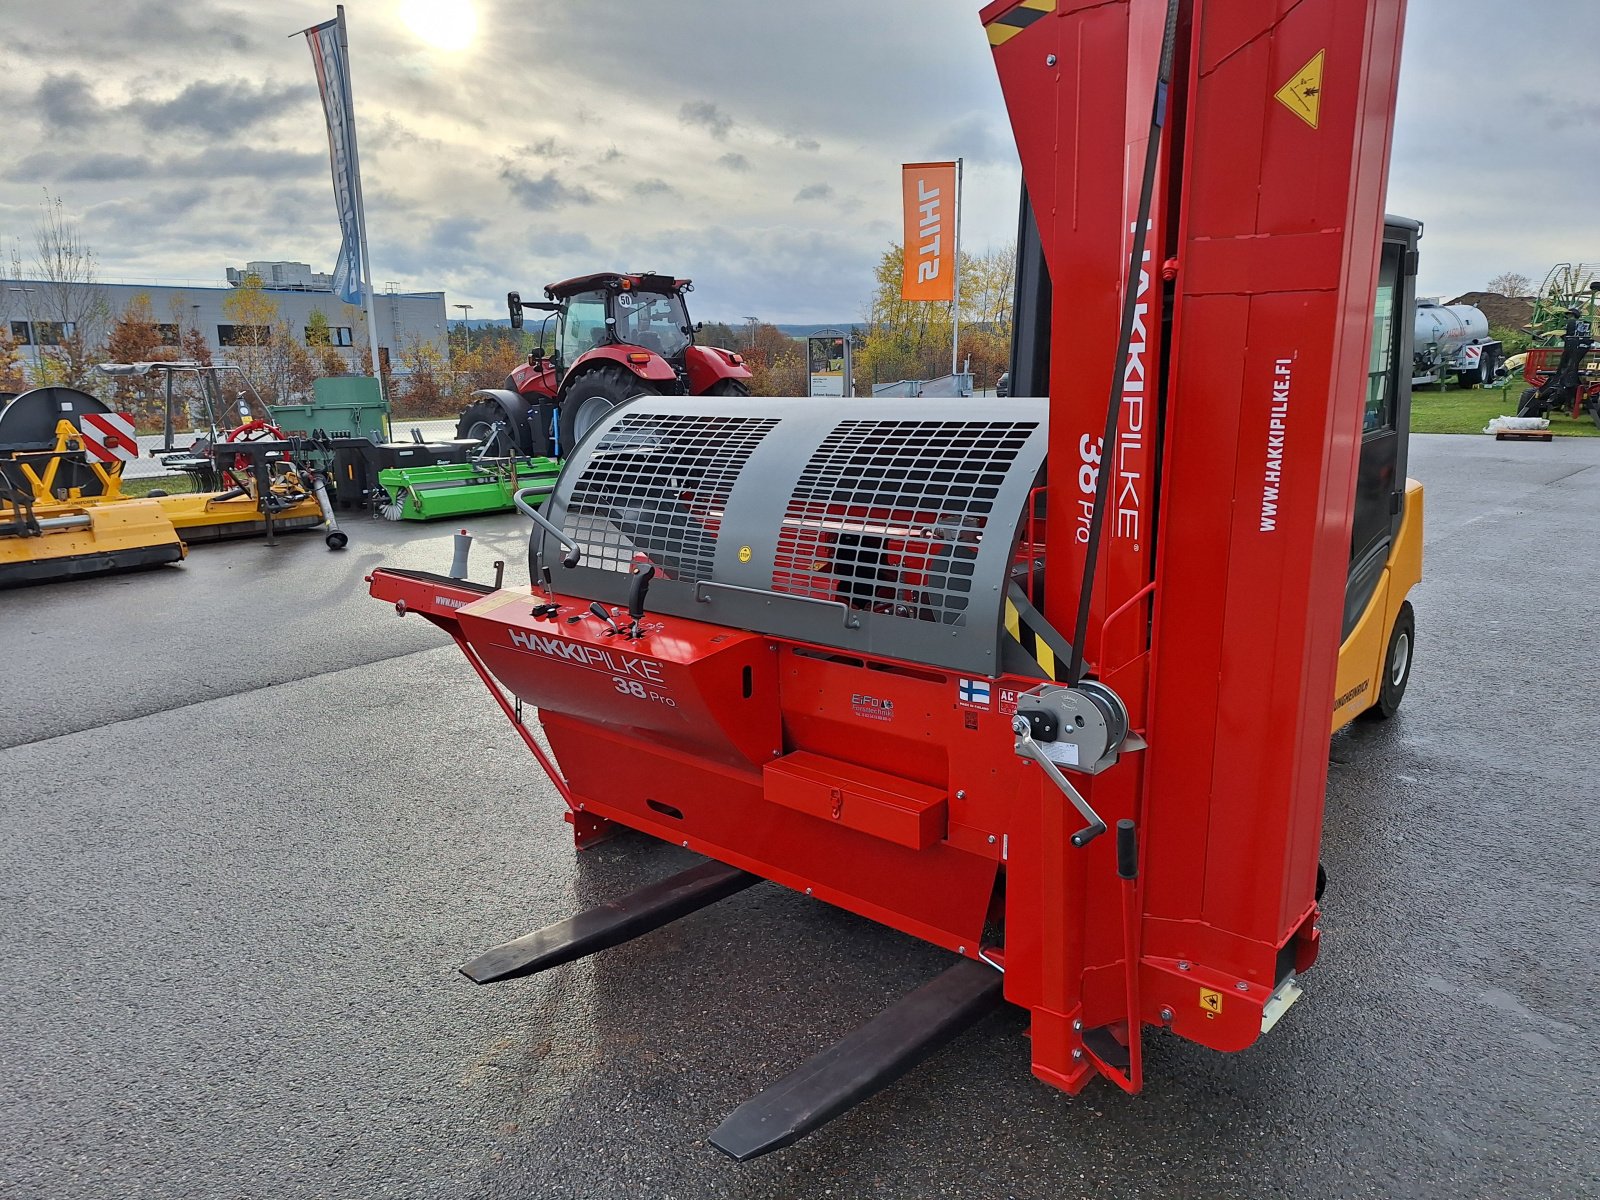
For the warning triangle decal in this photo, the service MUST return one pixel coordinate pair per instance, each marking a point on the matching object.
(1302, 95)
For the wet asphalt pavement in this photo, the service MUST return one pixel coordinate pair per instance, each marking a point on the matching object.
(252, 822)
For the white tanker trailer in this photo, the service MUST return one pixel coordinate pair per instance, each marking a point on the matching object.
(1453, 339)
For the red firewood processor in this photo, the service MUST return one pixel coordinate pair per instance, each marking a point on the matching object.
(1045, 682)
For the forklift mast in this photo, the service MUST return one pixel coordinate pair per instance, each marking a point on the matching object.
(1216, 610)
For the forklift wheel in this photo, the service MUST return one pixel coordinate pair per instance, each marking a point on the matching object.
(337, 539)
(1396, 664)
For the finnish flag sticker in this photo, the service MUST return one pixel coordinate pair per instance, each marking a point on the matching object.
(973, 693)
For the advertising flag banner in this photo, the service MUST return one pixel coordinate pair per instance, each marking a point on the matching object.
(332, 72)
(929, 195)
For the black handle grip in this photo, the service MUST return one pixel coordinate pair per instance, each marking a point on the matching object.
(1127, 850)
(638, 586)
(600, 611)
(571, 558)
(1088, 834)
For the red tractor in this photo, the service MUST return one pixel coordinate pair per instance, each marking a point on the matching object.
(617, 337)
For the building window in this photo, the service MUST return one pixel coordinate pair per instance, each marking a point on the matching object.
(338, 335)
(19, 333)
(53, 333)
(170, 335)
(243, 335)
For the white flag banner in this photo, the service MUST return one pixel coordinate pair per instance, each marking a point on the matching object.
(332, 81)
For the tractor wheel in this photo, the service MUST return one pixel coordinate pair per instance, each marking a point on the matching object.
(729, 387)
(1527, 404)
(478, 421)
(595, 394)
(1396, 664)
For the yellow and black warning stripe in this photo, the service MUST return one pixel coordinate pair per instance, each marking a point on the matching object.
(1014, 20)
(1037, 637)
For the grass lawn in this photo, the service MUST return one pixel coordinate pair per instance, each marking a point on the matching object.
(173, 485)
(1468, 410)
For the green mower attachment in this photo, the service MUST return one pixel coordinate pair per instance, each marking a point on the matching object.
(462, 489)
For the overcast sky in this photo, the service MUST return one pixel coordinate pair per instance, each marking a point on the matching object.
(752, 146)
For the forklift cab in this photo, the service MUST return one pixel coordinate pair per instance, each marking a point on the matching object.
(1379, 627)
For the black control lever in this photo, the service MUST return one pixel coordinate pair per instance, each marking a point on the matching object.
(638, 588)
(599, 610)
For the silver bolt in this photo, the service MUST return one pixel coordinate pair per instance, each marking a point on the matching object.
(961, 949)
(685, 843)
(991, 839)
(1049, 60)
(1166, 1014)
(777, 754)
(580, 806)
(1076, 1055)
(961, 794)
(808, 891)
(1077, 1025)
(1242, 986)
(1183, 965)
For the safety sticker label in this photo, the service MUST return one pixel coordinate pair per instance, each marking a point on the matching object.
(1302, 95)
(1008, 702)
(1210, 1001)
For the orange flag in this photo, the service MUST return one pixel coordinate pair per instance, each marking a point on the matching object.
(929, 194)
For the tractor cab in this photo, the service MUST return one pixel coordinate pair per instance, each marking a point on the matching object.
(617, 336)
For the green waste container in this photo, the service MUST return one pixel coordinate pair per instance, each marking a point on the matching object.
(343, 406)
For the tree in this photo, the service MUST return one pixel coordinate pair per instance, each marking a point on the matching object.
(12, 376)
(910, 339)
(427, 391)
(253, 313)
(135, 338)
(63, 300)
(1509, 283)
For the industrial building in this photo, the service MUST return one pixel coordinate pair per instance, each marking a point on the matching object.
(30, 311)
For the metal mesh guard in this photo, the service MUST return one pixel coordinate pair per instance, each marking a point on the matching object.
(659, 484)
(880, 527)
(888, 515)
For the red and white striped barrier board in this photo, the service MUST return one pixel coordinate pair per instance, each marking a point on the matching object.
(108, 437)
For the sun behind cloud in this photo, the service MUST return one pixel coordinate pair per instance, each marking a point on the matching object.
(443, 24)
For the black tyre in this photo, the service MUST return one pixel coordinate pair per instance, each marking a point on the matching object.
(1528, 404)
(595, 394)
(729, 387)
(478, 421)
(1396, 664)
(337, 539)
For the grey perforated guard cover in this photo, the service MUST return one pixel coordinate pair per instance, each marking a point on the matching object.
(879, 526)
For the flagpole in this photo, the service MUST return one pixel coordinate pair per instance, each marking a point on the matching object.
(361, 208)
(955, 285)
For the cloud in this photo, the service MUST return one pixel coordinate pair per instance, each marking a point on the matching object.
(815, 191)
(809, 145)
(52, 169)
(654, 187)
(544, 193)
(67, 101)
(734, 162)
(219, 108)
(705, 115)
(611, 155)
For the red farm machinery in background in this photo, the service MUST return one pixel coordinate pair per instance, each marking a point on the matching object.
(1047, 683)
(617, 336)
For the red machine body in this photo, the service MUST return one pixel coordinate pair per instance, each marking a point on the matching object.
(893, 788)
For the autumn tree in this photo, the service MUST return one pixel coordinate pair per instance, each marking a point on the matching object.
(910, 339)
(427, 390)
(12, 376)
(253, 313)
(135, 338)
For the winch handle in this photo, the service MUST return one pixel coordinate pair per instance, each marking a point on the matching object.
(574, 552)
(1029, 749)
